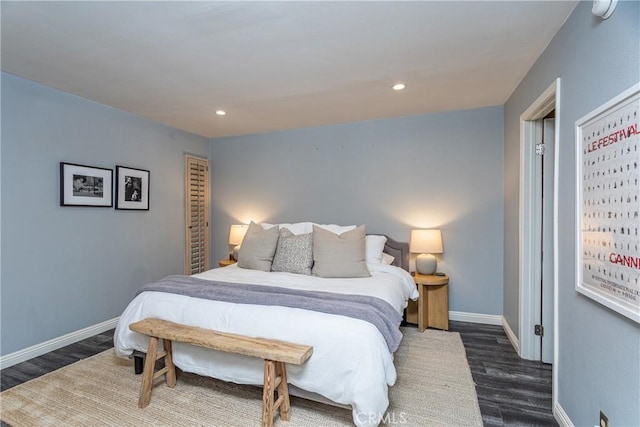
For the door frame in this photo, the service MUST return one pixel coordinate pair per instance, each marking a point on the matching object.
(546, 239)
(529, 260)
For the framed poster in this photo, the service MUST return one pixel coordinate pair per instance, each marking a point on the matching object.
(132, 189)
(85, 185)
(608, 205)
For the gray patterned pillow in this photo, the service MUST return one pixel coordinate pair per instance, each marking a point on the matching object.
(294, 253)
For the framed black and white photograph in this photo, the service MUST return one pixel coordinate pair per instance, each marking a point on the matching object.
(132, 189)
(608, 205)
(85, 185)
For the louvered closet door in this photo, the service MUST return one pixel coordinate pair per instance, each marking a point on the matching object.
(197, 215)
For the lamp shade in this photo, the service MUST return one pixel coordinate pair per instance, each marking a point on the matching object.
(236, 234)
(426, 242)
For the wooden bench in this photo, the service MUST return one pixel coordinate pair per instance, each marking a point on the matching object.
(275, 354)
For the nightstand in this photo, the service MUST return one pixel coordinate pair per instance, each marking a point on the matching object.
(432, 308)
(225, 262)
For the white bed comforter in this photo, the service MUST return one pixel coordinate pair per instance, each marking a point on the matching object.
(350, 365)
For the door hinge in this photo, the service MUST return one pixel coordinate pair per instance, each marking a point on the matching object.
(538, 330)
(540, 149)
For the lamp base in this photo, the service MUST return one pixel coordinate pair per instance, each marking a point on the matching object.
(235, 252)
(426, 264)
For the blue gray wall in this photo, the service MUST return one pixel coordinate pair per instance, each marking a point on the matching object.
(599, 350)
(437, 171)
(67, 268)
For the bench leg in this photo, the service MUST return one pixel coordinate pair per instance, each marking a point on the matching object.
(267, 393)
(283, 392)
(275, 379)
(168, 363)
(147, 375)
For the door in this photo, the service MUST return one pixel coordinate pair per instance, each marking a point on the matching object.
(546, 297)
(196, 215)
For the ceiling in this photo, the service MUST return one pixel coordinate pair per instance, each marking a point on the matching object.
(278, 65)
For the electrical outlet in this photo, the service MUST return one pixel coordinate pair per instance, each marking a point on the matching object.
(604, 421)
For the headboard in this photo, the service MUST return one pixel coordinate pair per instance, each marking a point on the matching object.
(398, 250)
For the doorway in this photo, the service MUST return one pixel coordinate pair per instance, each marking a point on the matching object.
(538, 234)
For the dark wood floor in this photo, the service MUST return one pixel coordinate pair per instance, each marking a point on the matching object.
(33, 368)
(511, 391)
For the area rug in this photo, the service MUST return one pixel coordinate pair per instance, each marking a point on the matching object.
(434, 388)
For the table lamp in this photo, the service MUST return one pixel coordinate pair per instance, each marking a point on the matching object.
(426, 243)
(236, 235)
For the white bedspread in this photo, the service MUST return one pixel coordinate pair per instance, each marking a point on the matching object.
(350, 365)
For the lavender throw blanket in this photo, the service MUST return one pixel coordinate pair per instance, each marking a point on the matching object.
(374, 310)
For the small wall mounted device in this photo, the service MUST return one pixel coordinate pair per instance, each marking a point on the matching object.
(603, 8)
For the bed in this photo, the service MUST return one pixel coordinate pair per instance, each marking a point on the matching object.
(352, 362)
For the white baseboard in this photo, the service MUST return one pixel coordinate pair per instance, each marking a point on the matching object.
(56, 343)
(487, 319)
(512, 337)
(561, 417)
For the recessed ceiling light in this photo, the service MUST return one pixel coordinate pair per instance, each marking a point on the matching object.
(398, 86)
(221, 112)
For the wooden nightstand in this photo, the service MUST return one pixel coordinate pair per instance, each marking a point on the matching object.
(226, 262)
(432, 308)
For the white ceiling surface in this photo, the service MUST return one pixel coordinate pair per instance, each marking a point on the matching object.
(278, 65)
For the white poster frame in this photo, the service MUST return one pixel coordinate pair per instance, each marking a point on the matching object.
(607, 241)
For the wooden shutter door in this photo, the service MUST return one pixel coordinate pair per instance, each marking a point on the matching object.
(197, 215)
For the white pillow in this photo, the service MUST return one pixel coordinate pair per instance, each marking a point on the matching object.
(375, 246)
(336, 229)
(297, 228)
(387, 259)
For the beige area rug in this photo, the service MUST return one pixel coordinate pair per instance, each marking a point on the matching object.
(434, 388)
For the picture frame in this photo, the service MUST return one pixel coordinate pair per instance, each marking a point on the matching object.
(132, 188)
(86, 186)
(607, 205)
